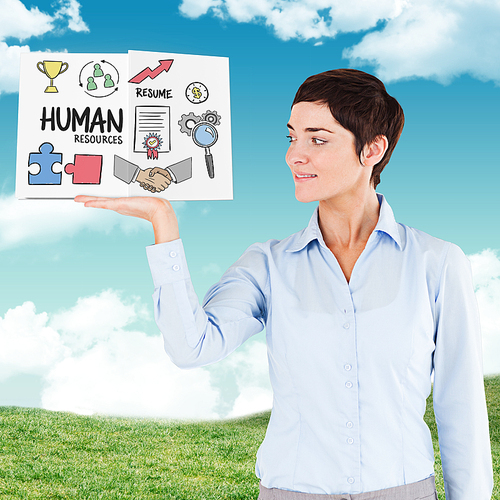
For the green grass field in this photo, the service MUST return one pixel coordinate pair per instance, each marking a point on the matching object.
(52, 455)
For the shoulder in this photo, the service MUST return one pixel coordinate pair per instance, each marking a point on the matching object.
(420, 243)
(437, 254)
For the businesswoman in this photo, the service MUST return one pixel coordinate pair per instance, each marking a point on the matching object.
(359, 312)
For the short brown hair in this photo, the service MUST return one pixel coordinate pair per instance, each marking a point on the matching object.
(361, 104)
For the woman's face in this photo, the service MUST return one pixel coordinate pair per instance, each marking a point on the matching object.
(322, 155)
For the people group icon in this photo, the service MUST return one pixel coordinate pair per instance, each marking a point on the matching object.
(98, 73)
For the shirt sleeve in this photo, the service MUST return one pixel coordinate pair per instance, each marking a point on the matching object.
(459, 398)
(233, 310)
(125, 171)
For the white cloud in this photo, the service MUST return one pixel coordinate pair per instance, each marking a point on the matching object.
(252, 400)
(69, 11)
(196, 8)
(10, 60)
(129, 374)
(95, 319)
(29, 221)
(27, 344)
(435, 39)
(251, 372)
(299, 19)
(21, 23)
(91, 361)
(486, 273)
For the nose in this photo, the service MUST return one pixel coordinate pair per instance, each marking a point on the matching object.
(296, 154)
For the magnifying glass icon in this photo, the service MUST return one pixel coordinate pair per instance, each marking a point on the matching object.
(205, 136)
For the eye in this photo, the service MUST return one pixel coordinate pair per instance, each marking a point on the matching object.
(318, 141)
(290, 138)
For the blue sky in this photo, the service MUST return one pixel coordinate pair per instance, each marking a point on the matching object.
(76, 289)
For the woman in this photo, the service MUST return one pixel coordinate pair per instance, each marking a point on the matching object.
(359, 311)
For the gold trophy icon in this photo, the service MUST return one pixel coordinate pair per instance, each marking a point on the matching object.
(52, 69)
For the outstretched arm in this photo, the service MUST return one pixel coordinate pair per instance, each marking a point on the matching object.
(234, 309)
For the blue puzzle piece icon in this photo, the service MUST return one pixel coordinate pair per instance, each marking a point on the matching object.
(45, 158)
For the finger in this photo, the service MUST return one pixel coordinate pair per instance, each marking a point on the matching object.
(107, 203)
(161, 171)
(83, 199)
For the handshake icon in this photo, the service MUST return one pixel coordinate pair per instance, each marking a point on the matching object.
(155, 179)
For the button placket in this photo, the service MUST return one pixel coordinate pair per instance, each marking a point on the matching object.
(349, 369)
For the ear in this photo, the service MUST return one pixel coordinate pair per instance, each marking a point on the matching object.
(374, 152)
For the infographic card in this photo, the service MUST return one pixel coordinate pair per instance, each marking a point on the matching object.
(136, 124)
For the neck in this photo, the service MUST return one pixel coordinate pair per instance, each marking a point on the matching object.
(348, 221)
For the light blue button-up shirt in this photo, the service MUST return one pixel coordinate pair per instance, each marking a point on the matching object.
(350, 363)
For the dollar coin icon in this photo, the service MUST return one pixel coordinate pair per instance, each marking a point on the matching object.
(196, 92)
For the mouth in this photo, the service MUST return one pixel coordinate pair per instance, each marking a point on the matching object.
(302, 176)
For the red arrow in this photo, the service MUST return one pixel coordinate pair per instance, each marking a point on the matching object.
(149, 73)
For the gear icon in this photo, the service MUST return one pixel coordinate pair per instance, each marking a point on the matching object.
(187, 122)
(211, 117)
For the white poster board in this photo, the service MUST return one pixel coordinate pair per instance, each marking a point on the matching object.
(136, 124)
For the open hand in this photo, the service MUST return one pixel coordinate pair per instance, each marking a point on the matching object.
(158, 211)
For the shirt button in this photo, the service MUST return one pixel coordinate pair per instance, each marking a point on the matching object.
(349, 425)
(347, 367)
(350, 441)
(176, 267)
(348, 385)
(350, 480)
(173, 254)
(346, 325)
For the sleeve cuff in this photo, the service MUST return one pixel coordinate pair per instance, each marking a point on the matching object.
(167, 262)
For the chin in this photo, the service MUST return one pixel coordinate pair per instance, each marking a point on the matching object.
(305, 197)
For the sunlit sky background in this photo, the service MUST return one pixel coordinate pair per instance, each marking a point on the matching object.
(76, 323)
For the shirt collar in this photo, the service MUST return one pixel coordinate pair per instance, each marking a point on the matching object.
(386, 223)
